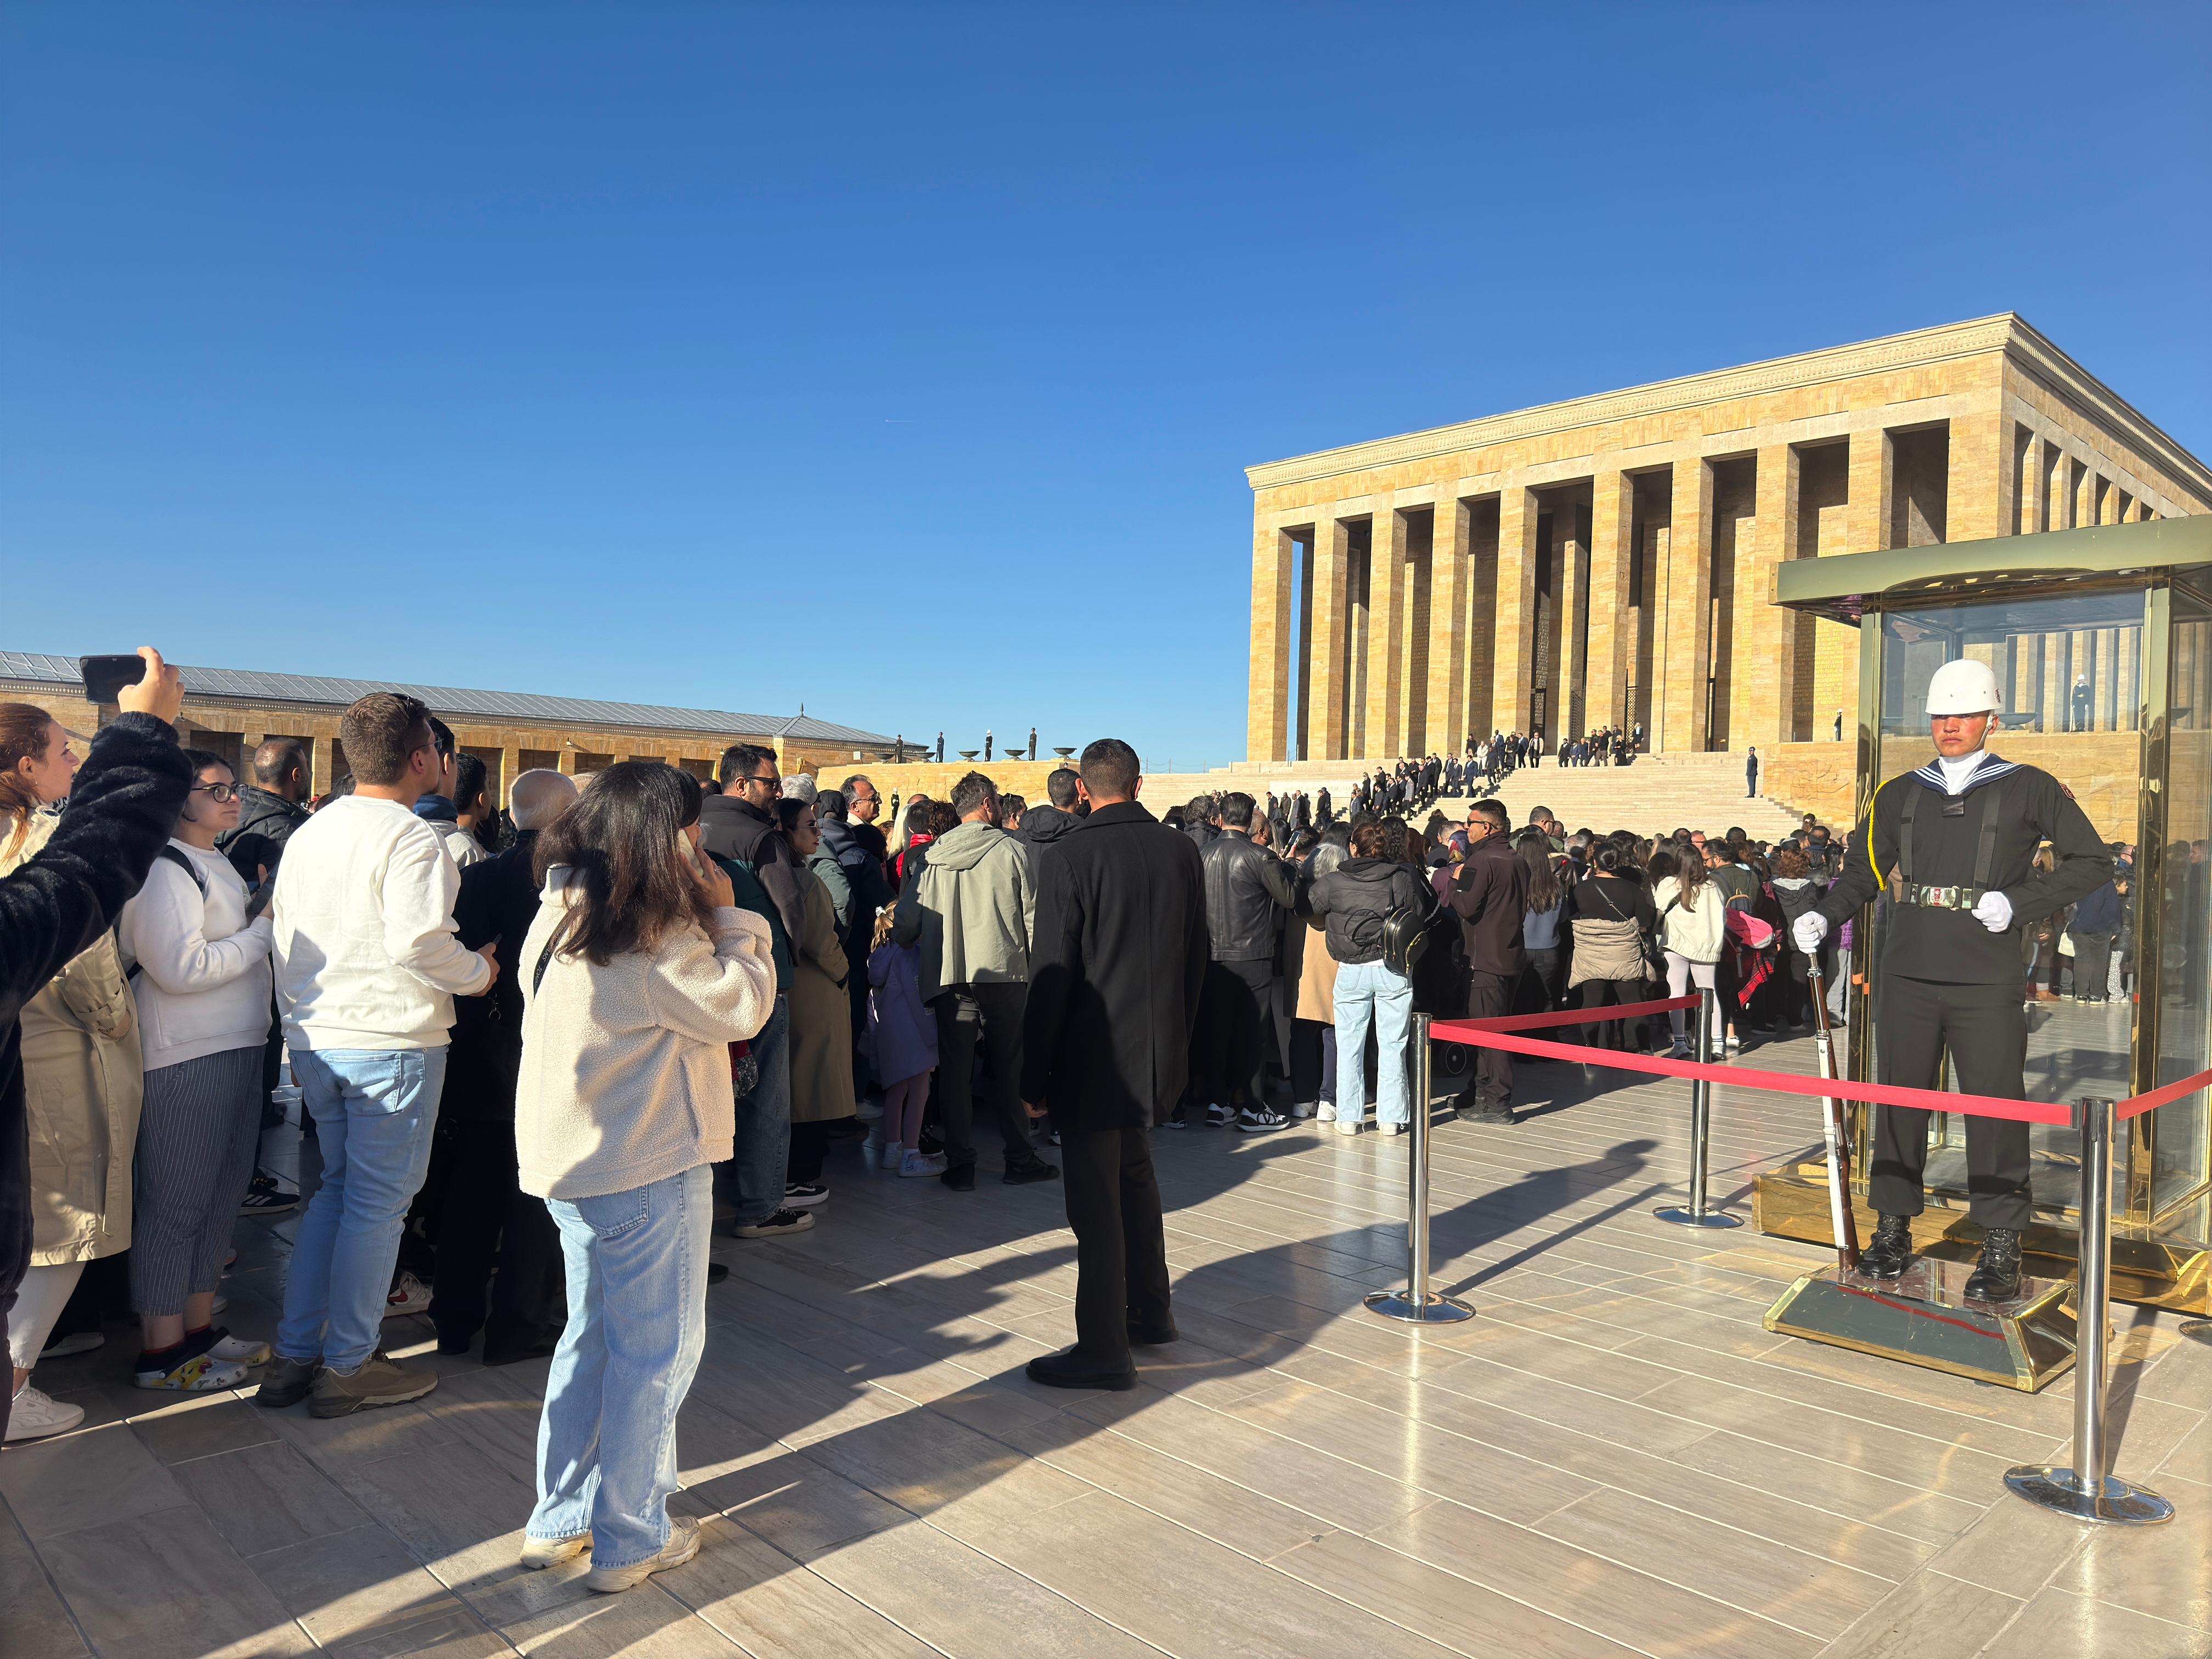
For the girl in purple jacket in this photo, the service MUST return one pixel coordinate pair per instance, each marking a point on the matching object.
(902, 1044)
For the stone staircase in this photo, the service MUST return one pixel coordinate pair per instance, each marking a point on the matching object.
(1658, 793)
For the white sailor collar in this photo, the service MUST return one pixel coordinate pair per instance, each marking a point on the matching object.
(1992, 768)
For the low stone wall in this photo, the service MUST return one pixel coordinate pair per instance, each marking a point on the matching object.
(1025, 778)
(2103, 769)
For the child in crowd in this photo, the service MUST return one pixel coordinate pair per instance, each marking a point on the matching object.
(902, 1046)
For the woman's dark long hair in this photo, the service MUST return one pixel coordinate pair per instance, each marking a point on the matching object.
(619, 843)
(1536, 851)
(1690, 865)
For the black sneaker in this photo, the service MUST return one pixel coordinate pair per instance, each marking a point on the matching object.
(1259, 1121)
(1022, 1174)
(803, 1195)
(775, 1226)
(1176, 1120)
(1220, 1117)
(266, 1195)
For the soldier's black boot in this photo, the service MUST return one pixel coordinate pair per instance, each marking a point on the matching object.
(1996, 1275)
(1889, 1249)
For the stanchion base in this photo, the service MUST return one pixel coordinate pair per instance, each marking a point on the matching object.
(1400, 1306)
(1925, 1318)
(2111, 1501)
(1683, 1218)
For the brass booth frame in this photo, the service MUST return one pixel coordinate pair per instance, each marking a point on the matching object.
(2161, 1246)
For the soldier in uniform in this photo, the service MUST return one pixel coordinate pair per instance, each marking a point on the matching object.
(1961, 834)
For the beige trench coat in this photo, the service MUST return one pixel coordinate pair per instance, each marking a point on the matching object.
(821, 1013)
(1317, 976)
(83, 1083)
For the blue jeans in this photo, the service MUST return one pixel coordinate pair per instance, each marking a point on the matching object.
(1365, 991)
(762, 1152)
(375, 1110)
(637, 1324)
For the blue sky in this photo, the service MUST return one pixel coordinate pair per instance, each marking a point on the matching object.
(904, 361)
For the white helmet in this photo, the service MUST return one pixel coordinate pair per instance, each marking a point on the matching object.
(1964, 687)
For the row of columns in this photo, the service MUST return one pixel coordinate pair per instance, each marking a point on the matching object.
(1720, 665)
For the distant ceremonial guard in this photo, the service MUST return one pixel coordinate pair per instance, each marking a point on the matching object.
(1961, 835)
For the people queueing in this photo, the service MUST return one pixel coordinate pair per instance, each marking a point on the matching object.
(1962, 833)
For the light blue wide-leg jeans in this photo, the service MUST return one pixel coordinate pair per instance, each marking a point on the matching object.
(637, 1323)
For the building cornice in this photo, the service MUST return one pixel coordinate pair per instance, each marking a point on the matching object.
(2005, 332)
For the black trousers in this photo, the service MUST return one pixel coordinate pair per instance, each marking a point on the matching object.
(1234, 1040)
(989, 1016)
(1120, 1244)
(809, 1147)
(487, 1225)
(1489, 996)
(1984, 1029)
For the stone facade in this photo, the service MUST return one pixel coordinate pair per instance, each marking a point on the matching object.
(1610, 559)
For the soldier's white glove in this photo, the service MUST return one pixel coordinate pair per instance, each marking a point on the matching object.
(1809, 930)
(1994, 912)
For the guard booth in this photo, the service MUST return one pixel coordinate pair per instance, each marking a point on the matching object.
(2101, 640)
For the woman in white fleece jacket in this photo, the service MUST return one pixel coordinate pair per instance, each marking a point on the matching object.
(199, 951)
(638, 975)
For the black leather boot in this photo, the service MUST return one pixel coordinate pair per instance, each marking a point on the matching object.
(1996, 1276)
(1889, 1249)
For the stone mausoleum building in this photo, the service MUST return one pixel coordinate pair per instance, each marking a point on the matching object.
(1610, 561)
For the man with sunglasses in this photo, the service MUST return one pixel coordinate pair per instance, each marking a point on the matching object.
(739, 830)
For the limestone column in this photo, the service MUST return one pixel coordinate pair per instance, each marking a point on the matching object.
(1383, 733)
(2058, 488)
(1979, 484)
(1267, 731)
(2035, 488)
(1449, 577)
(1689, 604)
(1612, 509)
(1514, 632)
(1763, 666)
(319, 773)
(1571, 541)
(1326, 654)
(510, 769)
(1866, 508)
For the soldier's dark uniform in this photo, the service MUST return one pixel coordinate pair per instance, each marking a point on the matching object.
(1944, 980)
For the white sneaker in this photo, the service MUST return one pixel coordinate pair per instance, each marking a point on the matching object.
(915, 1163)
(76, 1342)
(539, 1553)
(36, 1415)
(410, 1296)
(1324, 1111)
(683, 1543)
(1300, 1110)
(866, 1110)
(1390, 1128)
(887, 1156)
(1347, 1125)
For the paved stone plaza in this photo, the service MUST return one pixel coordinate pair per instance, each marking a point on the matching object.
(1614, 1458)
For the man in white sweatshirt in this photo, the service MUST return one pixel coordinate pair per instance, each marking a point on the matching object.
(367, 967)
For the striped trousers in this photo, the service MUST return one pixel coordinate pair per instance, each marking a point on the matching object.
(197, 1136)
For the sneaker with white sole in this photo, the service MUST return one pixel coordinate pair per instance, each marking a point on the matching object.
(266, 1195)
(803, 1195)
(538, 1554)
(1176, 1120)
(35, 1414)
(1347, 1125)
(776, 1225)
(1300, 1110)
(410, 1296)
(380, 1381)
(683, 1543)
(913, 1163)
(1260, 1120)
(1390, 1128)
(1324, 1111)
(62, 1347)
(1220, 1117)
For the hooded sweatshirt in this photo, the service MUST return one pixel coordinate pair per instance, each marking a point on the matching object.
(972, 909)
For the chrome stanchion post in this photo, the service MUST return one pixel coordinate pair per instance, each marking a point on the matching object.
(1701, 1127)
(2086, 1491)
(1416, 1304)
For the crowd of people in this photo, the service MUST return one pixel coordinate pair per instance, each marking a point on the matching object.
(544, 1052)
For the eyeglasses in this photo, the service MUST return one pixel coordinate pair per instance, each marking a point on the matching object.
(771, 782)
(218, 792)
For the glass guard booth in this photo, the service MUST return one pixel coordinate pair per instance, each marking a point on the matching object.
(2101, 641)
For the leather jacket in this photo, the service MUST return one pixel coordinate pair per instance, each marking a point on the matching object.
(1247, 889)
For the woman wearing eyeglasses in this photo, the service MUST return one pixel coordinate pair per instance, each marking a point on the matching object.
(199, 947)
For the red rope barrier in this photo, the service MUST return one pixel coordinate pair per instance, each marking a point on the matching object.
(1789, 1082)
(1578, 1016)
(2137, 1105)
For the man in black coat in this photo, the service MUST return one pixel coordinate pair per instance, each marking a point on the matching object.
(269, 810)
(121, 808)
(1120, 954)
(484, 1218)
(1491, 898)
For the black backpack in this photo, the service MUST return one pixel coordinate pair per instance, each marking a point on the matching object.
(190, 869)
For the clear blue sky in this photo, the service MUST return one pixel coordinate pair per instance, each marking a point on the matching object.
(904, 361)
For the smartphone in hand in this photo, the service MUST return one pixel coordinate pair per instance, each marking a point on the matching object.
(103, 676)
